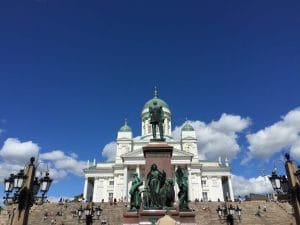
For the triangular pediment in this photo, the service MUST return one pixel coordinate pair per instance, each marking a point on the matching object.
(138, 153)
(177, 152)
(135, 153)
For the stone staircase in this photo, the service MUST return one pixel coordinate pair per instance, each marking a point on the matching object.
(276, 214)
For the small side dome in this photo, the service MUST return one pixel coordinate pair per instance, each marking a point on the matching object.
(187, 127)
(125, 128)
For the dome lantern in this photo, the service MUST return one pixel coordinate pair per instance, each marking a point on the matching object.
(125, 128)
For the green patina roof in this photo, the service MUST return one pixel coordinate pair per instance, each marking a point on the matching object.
(187, 127)
(158, 100)
(125, 128)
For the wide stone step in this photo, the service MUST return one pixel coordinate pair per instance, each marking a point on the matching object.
(276, 214)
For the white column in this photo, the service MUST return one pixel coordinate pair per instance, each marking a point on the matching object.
(137, 170)
(125, 183)
(175, 184)
(199, 195)
(166, 130)
(95, 197)
(85, 189)
(230, 188)
(190, 182)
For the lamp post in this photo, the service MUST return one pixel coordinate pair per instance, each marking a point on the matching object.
(98, 211)
(228, 214)
(25, 187)
(89, 211)
(79, 213)
(288, 185)
(219, 212)
(238, 210)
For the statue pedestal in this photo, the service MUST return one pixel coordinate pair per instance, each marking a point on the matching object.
(149, 217)
(159, 153)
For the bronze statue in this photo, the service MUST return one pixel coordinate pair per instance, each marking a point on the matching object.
(159, 191)
(182, 181)
(154, 182)
(135, 195)
(157, 119)
(167, 194)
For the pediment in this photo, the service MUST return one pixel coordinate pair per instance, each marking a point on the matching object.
(177, 152)
(135, 153)
(139, 154)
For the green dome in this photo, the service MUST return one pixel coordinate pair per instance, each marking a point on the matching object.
(159, 102)
(187, 127)
(125, 128)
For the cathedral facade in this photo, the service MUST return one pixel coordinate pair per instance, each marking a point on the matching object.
(207, 180)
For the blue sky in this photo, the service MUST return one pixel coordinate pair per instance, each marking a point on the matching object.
(72, 71)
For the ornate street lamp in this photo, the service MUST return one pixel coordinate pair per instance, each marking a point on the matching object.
(18, 180)
(284, 184)
(219, 212)
(45, 183)
(79, 212)
(9, 184)
(87, 211)
(238, 210)
(36, 186)
(231, 210)
(98, 211)
(25, 186)
(279, 183)
(275, 181)
(289, 185)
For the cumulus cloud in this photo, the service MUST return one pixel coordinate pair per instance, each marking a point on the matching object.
(283, 134)
(218, 138)
(14, 154)
(109, 151)
(63, 163)
(255, 185)
(17, 152)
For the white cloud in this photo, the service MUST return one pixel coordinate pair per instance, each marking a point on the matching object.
(63, 163)
(14, 154)
(230, 124)
(255, 185)
(218, 138)
(283, 134)
(14, 151)
(109, 151)
(54, 155)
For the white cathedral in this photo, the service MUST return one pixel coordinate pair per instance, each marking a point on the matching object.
(208, 180)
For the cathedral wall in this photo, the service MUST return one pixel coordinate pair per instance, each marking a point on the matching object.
(212, 188)
(196, 189)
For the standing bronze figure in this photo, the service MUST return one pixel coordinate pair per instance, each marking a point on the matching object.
(182, 181)
(154, 182)
(135, 194)
(157, 119)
